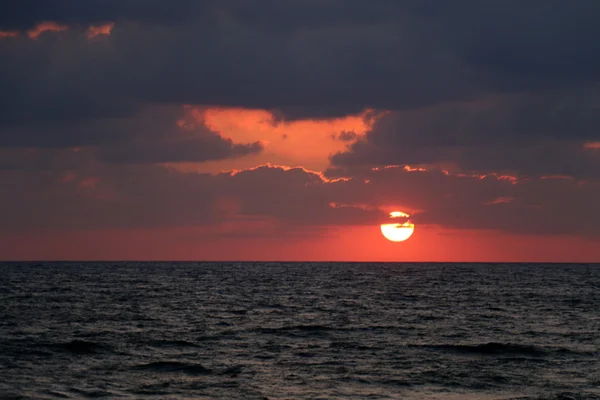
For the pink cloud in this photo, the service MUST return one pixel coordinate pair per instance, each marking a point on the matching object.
(8, 34)
(49, 26)
(98, 30)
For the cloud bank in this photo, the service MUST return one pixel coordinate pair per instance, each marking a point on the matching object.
(487, 112)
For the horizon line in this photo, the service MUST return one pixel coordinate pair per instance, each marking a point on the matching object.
(294, 262)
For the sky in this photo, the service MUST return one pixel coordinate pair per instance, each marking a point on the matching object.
(290, 129)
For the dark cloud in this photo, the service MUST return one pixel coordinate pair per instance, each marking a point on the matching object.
(305, 58)
(294, 195)
(188, 142)
(36, 159)
(207, 148)
(346, 136)
(543, 206)
(25, 14)
(526, 134)
(153, 135)
(527, 45)
(539, 207)
(102, 198)
(150, 196)
(108, 197)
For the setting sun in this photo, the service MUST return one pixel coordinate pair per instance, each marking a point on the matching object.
(398, 231)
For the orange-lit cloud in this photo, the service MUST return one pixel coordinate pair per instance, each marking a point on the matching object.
(68, 177)
(89, 183)
(97, 30)
(303, 142)
(500, 200)
(8, 34)
(49, 26)
(447, 172)
(592, 145)
(557, 177)
(319, 174)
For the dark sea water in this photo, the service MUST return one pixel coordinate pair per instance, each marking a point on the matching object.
(299, 331)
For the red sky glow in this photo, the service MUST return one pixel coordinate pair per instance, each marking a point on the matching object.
(207, 134)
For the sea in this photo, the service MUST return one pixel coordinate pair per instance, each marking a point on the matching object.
(240, 330)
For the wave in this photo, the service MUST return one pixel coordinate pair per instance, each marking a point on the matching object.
(186, 368)
(153, 389)
(233, 370)
(562, 396)
(15, 396)
(94, 393)
(174, 367)
(79, 347)
(296, 328)
(171, 343)
(496, 348)
(491, 348)
(227, 334)
(353, 345)
(55, 394)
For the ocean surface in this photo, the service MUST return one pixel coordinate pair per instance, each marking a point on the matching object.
(299, 331)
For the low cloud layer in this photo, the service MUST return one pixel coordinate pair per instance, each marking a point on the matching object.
(478, 115)
(294, 199)
(538, 134)
(154, 135)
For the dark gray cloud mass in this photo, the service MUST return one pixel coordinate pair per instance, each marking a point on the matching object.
(153, 135)
(25, 14)
(307, 58)
(142, 196)
(149, 196)
(525, 134)
(507, 87)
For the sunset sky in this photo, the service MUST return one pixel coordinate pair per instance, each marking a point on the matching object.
(290, 129)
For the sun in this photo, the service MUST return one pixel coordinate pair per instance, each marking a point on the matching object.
(398, 231)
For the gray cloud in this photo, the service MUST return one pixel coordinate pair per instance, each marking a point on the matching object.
(25, 14)
(527, 134)
(207, 148)
(346, 136)
(143, 196)
(109, 197)
(542, 206)
(36, 159)
(153, 135)
(303, 58)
